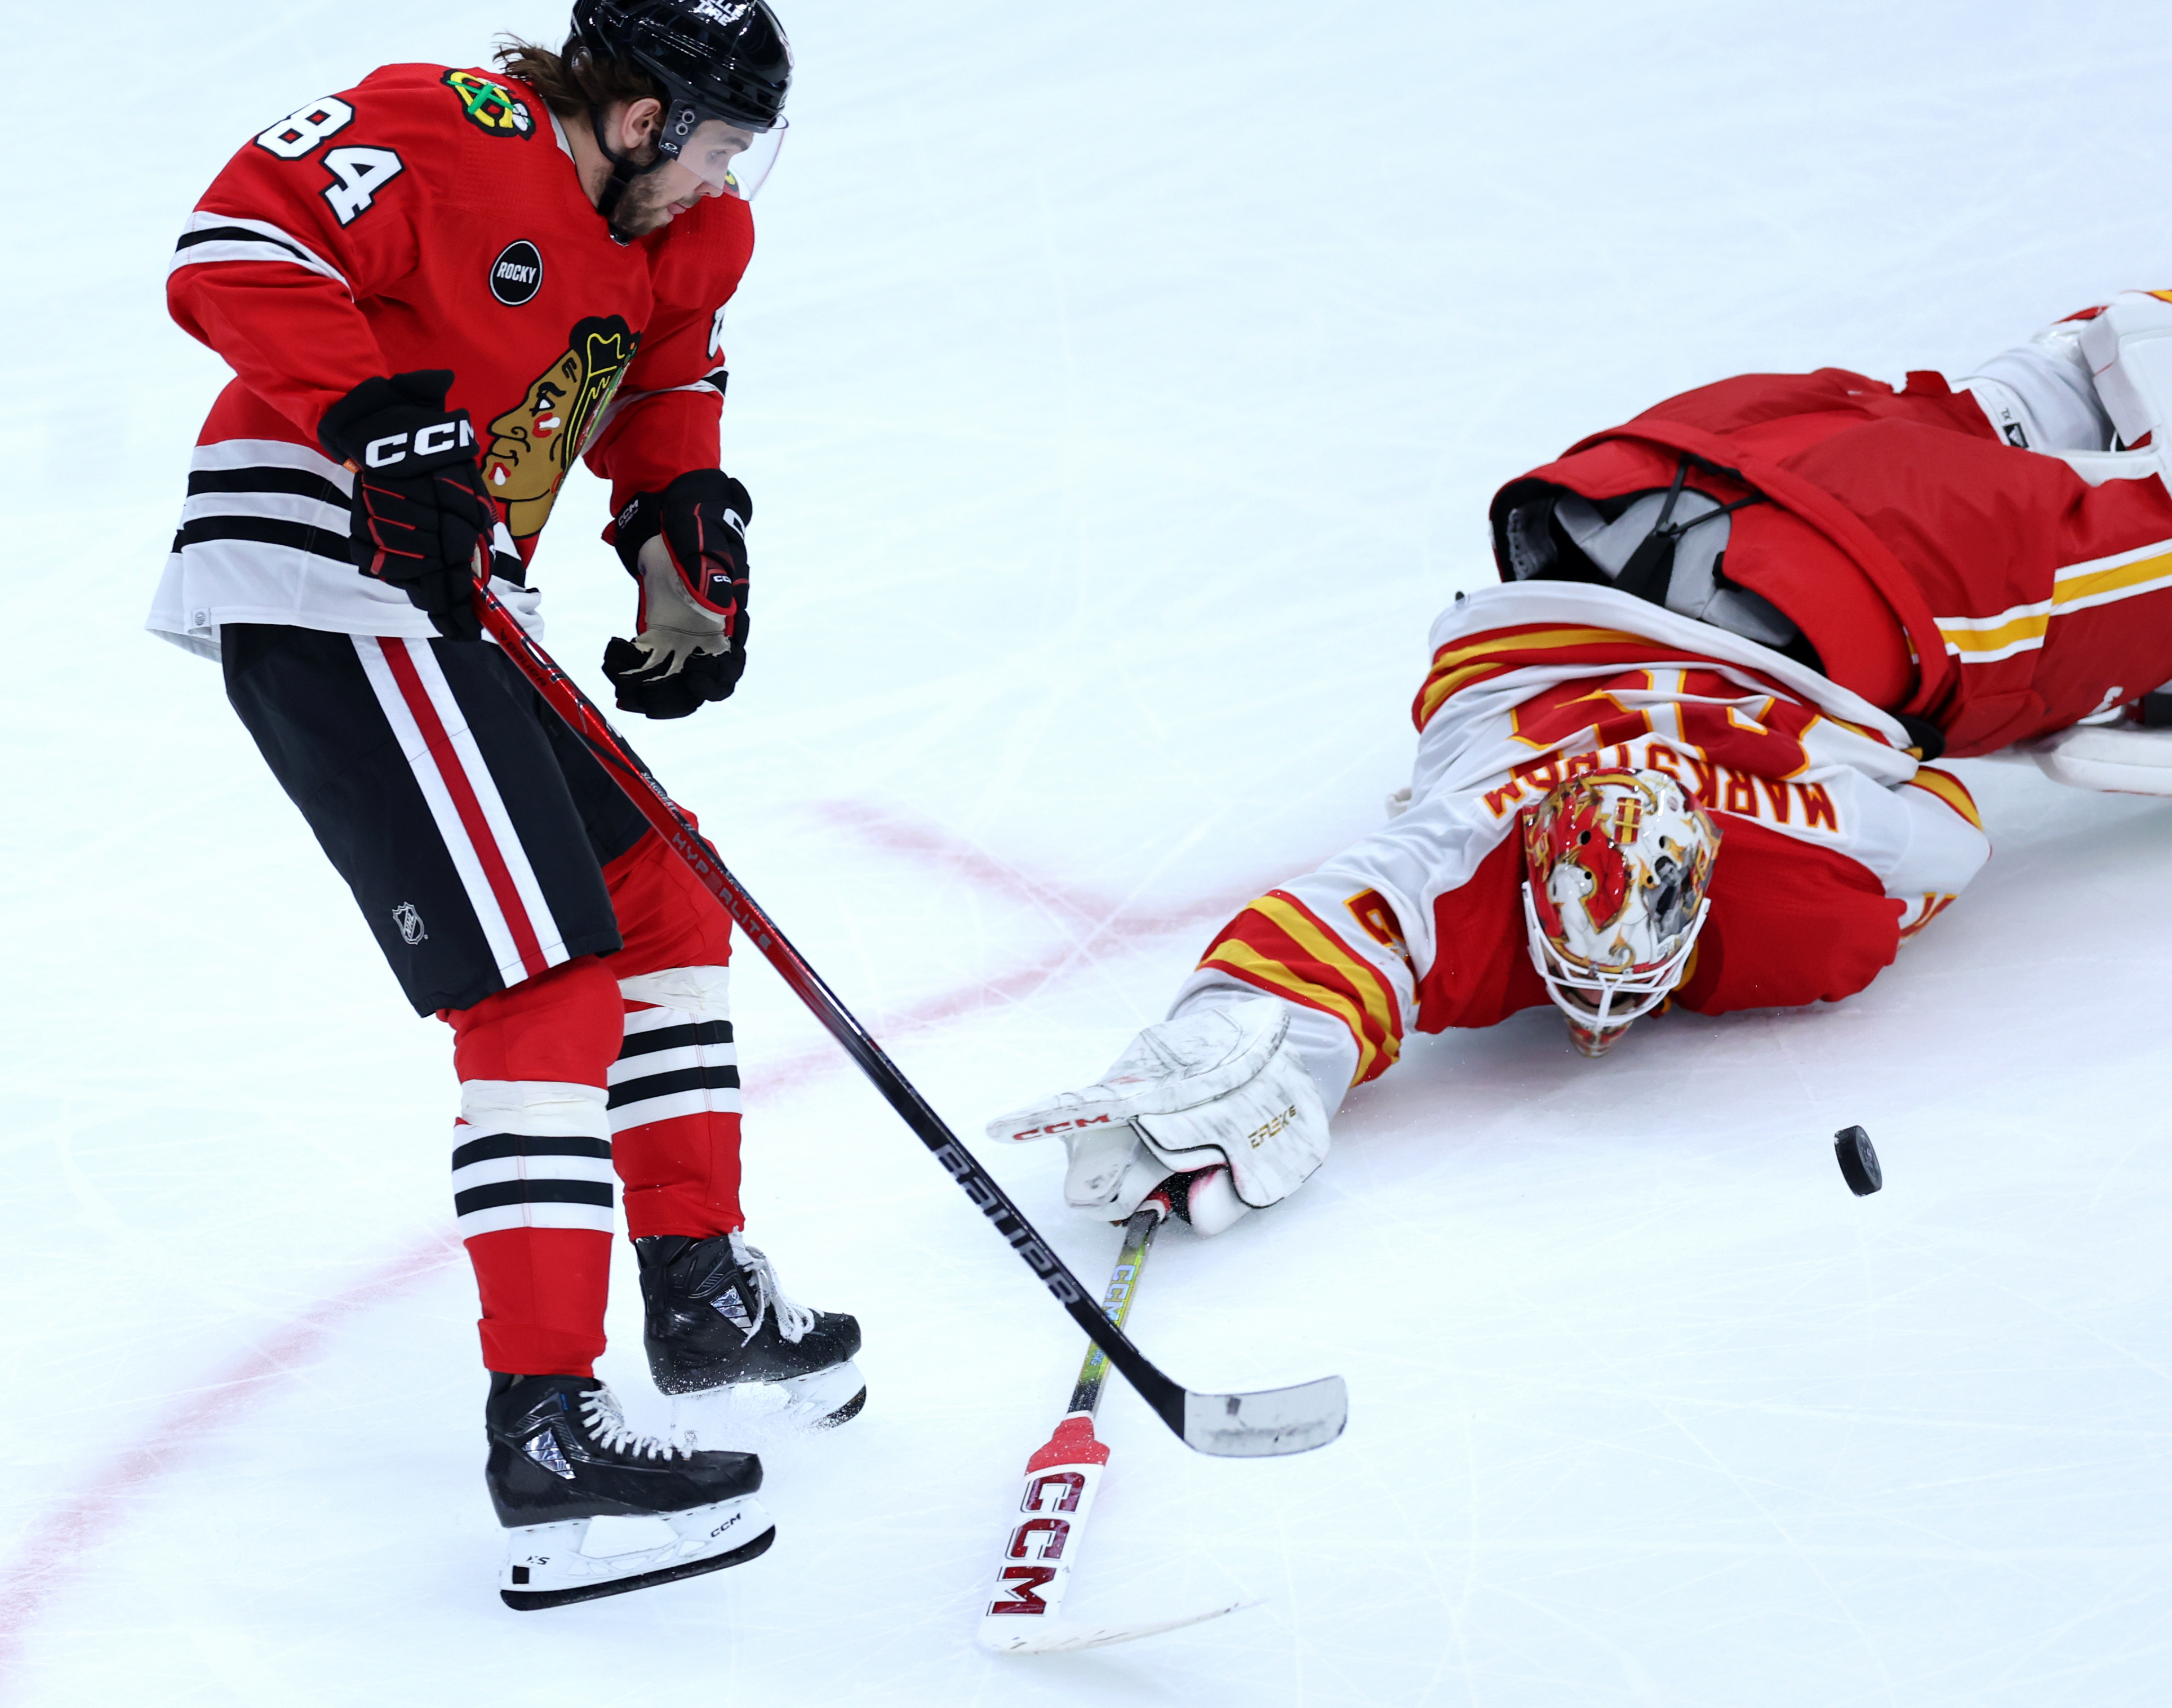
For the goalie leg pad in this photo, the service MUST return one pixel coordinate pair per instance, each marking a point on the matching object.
(2118, 760)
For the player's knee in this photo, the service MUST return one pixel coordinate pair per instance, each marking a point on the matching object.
(563, 1025)
(666, 915)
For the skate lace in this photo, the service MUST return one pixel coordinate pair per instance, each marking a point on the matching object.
(793, 1320)
(608, 1427)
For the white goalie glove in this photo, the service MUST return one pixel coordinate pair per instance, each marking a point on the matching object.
(1218, 1093)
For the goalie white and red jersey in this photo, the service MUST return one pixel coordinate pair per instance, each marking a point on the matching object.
(1901, 569)
(429, 217)
(1836, 844)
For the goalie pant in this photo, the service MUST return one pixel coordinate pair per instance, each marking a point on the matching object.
(517, 893)
(1836, 843)
(1995, 592)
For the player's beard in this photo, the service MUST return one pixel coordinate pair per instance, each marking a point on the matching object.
(643, 208)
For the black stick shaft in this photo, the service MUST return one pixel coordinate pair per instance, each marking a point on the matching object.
(581, 715)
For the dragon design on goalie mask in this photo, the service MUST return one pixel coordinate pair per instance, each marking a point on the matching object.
(1619, 862)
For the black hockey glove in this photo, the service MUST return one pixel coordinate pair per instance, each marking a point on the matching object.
(420, 507)
(687, 548)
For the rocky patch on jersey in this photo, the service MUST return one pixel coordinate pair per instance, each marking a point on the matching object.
(490, 107)
(517, 274)
(535, 443)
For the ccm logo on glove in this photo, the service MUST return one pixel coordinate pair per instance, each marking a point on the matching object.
(454, 434)
(1065, 1127)
(418, 512)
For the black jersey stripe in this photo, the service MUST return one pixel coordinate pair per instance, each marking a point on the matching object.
(505, 1192)
(241, 234)
(298, 482)
(633, 1091)
(494, 1145)
(265, 530)
(675, 1038)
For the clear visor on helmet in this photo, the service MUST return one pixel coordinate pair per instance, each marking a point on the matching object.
(733, 158)
(1594, 998)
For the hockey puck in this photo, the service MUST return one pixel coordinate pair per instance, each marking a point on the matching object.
(1858, 1162)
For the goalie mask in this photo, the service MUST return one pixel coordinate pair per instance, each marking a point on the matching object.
(1617, 863)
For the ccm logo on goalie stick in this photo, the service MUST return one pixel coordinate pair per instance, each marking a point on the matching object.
(1040, 1538)
(1024, 1585)
(432, 441)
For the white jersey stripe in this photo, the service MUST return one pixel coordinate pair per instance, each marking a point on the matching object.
(497, 933)
(548, 937)
(224, 454)
(267, 242)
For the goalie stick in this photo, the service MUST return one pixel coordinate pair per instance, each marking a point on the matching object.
(1244, 1425)
(1061, 1478)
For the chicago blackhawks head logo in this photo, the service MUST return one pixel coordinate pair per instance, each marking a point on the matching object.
(534, 443)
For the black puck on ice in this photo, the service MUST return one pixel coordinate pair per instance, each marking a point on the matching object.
(1858, 1162)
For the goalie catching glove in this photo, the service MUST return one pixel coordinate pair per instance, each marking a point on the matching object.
(419, 509)
(1218, 1093)
(687, 548)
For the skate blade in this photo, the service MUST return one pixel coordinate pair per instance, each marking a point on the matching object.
(720, 1417)
(544, 1566)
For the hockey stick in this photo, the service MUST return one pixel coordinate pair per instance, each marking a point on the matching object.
(1239, 1425)
(1061, 1480)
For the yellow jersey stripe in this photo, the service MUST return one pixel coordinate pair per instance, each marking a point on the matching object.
(1239, 956)
(1331, 951)
(2099, 581)
(1951, 790)
(1457, 668)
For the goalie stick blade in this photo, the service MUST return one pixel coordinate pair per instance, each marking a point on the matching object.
(1003, 1637)
(1267, 1425)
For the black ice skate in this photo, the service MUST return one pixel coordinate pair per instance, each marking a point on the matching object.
(560, 1454)
(718, 1325)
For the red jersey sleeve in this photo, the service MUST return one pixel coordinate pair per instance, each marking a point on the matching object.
(664, 421)
(313, 215)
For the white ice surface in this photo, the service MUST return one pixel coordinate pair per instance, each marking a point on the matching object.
(1121, 387)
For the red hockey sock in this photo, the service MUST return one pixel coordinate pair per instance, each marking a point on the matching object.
(680, 1175)
(532, 1165)
(674, 1090)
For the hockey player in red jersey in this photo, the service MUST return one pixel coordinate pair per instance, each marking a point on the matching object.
(436, 290)
(1681, 753)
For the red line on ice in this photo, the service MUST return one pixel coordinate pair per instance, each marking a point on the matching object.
(54, 1542)
(52, 1546)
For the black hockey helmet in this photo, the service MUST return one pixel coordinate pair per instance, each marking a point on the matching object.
(715, 59)
(723, 68)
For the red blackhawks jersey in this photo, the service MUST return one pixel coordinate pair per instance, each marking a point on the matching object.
(1836, 844)
(431, 218)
